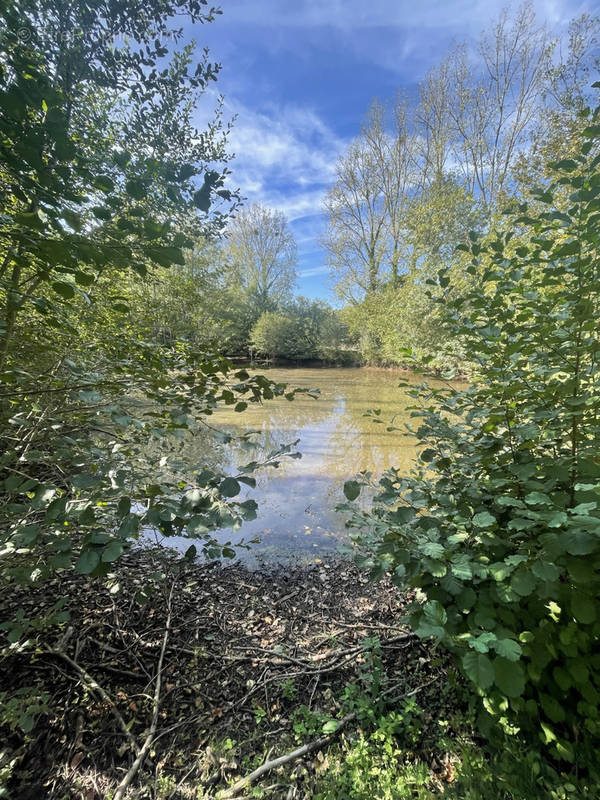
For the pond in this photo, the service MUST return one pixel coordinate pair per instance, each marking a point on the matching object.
(296, 502)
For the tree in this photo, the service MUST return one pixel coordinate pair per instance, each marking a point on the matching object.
(92, 183)
(261, 255)
(98, 196)
(185, 301)
(273, 334)
(566, 95)
(302, 330)
(479, 112)
(400, 315)
(497, 527)
(364, 237)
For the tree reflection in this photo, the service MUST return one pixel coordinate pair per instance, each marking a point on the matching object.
(297, 501)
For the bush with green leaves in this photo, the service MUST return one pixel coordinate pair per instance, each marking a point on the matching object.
(301, 331)
(497, 529)
(104, 183)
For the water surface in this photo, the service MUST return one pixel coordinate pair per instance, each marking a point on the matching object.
(296, 516)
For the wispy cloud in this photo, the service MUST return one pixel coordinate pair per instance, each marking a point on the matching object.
(312, 271)
(284, 157)
(348, 15)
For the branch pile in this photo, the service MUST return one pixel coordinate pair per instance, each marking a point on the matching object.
(140, 695)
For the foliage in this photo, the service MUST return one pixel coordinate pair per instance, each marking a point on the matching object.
(21, 708)
(415, 181)
(497, 529)
(184, 301)
(373, 766)
(302, 331)
(89, 186)
(97, 202)
(261, 255)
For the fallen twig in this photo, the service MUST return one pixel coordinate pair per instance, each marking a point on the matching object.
(143, 752)
(268, 766)
(93, 686)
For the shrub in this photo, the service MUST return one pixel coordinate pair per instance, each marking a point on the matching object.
(498, 527)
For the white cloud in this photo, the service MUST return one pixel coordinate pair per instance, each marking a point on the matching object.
(284, 157)
(312, 271)
(347, 15)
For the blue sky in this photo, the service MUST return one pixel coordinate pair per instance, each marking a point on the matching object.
(299, 75)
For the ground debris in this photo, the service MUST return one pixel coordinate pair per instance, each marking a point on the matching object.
(246, 650)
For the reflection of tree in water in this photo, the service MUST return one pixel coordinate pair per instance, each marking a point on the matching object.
(297, 501)
(335, 435)
(275, 423)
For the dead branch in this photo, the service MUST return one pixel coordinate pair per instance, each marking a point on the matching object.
(268, 766)
(145, 748)
(93, 686)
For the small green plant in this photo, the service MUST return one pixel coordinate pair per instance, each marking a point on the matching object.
(165, 786)
(307, 723)
(373, 767)
(20, 709)
(288, 689)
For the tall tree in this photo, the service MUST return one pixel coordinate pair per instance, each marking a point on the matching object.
(98, 195)
(365, 206)
(92, 183)
(261, 255)
(477, 109)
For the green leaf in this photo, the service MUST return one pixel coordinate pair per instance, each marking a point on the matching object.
(112, 551)
(202, 199)
(579, 543)
(104, 183)
(508, 648)
(83, 481)
(191, 553)
(64, 289)
(523, 582)
(136, 189)
(479, 669)
(123, 506)
(583, 607)
(484, 520)
(433, 550)
(483, 642)
(565, 164)
(509, 677)
(229, 487)
(351, 489)
(545, 571)
(331, 726)
(187, 171)
(552, 708)
(87, 561)
(537, 498)
(461, 567)
(196, 526)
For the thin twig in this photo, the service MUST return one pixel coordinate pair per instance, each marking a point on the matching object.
(145, 748)
(92, 685)
(268, 766)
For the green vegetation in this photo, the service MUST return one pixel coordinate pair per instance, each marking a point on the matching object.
(303, 331)
(497, 529)
(410, 188)
(130, 276)
(95, 365)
